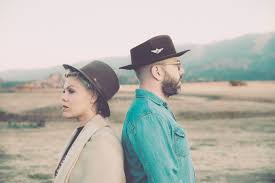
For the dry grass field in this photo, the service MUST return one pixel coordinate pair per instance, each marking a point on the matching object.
(231, 132)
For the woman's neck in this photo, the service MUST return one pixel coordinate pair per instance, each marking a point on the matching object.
(83, 119)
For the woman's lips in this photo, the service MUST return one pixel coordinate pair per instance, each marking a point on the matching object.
(64, 107)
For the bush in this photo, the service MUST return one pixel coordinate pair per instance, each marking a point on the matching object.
(237, 83)
(21, 124)
(10, 84)
(40, 176)
(22, 121)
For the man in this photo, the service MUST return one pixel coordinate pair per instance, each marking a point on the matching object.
(154, 144)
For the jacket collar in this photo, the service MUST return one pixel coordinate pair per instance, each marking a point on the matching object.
(96, 122)
(142, 93)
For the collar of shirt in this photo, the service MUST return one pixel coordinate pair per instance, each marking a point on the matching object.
(141, 93)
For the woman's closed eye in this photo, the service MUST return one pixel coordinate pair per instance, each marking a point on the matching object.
(70, 90)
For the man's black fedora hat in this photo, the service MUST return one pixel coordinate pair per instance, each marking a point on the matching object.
(153, 50)
(101, 76)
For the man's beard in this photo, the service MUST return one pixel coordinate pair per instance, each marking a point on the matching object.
(170, 86)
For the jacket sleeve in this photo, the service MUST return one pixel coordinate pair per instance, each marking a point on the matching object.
(152, 141)
(101, 160)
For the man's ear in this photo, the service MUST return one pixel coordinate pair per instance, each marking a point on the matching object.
(157, 72)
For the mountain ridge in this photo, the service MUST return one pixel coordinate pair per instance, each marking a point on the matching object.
(247, 57)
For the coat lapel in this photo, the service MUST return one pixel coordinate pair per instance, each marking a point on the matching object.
(70, 160)
(61, 154)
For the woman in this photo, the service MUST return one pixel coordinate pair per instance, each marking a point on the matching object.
(93, 153)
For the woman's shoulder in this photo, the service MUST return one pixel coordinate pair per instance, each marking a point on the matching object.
(104, 132)
(105, 136)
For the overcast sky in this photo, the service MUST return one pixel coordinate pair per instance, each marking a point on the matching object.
(43, 33)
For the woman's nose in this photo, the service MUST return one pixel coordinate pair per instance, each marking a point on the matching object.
(63, 97)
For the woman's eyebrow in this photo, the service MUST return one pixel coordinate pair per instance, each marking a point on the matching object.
(70, 86)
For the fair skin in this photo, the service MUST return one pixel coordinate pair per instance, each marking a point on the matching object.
(153, 75)
(77, 102)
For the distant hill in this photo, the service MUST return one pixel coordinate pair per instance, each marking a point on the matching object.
(249, 57)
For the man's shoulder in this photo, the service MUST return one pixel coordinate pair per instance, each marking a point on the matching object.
(145, 120)
(140, 107)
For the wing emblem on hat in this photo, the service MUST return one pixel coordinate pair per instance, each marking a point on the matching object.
(157, 50)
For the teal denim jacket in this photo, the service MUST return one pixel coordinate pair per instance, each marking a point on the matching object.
(155, 146)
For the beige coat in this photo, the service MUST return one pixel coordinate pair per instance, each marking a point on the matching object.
(96, 156)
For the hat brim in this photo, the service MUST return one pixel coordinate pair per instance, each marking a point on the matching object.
(130, 67)
(106, 105)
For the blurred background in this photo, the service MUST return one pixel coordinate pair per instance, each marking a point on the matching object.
(227, 100)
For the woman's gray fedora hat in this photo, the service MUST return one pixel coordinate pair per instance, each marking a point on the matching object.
(101, 76)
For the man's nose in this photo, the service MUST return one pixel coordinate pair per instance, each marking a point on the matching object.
(181, 70)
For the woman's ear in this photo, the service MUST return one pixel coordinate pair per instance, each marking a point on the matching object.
(93, 97)
(157, 72)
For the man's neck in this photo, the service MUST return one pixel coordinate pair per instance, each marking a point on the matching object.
(155, 90)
